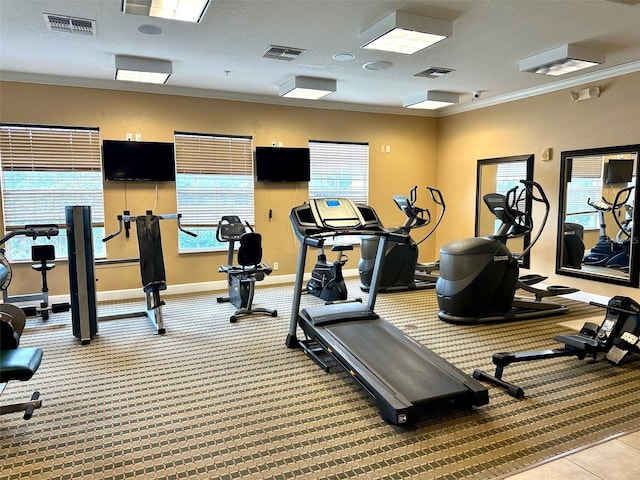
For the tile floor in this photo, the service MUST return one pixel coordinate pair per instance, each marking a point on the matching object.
(614, 459)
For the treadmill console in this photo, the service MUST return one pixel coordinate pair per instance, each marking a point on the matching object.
(325, 217)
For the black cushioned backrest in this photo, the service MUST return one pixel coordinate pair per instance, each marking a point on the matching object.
(150, 248)
(250, 250)
(43, 253)
(8, 338)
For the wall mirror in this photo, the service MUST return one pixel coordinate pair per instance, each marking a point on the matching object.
(596, 235)
(498, 175)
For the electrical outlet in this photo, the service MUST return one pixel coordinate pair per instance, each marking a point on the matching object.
(275, 265)
(129, 136)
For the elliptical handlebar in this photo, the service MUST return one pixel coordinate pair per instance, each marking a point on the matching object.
(416, 216)
(532, 188)
(618, 203)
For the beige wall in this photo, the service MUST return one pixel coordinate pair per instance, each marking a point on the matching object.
(411, 161)
(522, 127)
(527, 127)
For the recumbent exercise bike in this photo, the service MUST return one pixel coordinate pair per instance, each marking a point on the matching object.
(241, 278)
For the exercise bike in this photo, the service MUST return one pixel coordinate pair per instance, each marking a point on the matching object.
(615, 337)
(401, 270)
(43, 256)
(241, 278)
(327, 281)
(479, 276)
(607, 252)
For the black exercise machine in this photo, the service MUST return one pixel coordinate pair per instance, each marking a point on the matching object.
(479, 276)
(402, 271)
(16, 363)
(615, 337)
(43, 255)
(404, 378)
(152, 271)
(241, 278)
(608, 252)
(82, 279)
(327, 281)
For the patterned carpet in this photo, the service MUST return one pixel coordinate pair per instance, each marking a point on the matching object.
(210, 399)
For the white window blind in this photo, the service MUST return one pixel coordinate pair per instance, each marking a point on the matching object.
(339, 169)
(585, 184)
(45, 169)
(214, 178)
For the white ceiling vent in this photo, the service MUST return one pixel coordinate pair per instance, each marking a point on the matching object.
(434, 72)
(627, 2)
(62, 23)
(283, 53)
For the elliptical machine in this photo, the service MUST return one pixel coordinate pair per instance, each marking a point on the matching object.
(401, 270)
(479, 276)
(608, 252)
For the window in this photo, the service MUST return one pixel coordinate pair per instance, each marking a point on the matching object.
(585, 184)
(339, 170)
(214, 177)
(44, 169)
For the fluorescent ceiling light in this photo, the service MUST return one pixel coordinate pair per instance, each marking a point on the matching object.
(405, 33)
(558, 61)
(183, 10)
(430, 100)
(145, 70)
(309, 88)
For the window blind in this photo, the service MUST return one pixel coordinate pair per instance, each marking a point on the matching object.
(339, 170)
(45, 169)
(214, 178)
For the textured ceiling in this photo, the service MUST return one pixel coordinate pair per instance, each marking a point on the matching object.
(223, 56)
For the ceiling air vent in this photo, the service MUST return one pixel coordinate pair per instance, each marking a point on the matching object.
(434, 72)
(626, 2)
(62, 23)
(283, 53)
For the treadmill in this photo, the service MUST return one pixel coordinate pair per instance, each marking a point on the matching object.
(404, 378)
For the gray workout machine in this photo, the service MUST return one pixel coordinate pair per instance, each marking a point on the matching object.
(82, 268)
(42, 254)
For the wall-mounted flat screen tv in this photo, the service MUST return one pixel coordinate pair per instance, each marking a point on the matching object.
(619, 170)
(282, 164)
(141, 161)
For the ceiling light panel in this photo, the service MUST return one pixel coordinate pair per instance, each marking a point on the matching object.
(182, 10)
(562, 60)
(430, 100)
(143, 70)
(405, 33)
(309, 88)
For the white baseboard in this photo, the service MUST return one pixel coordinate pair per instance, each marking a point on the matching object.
(216, 285)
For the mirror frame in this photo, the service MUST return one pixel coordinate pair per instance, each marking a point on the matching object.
(565, 171)
(524, 261)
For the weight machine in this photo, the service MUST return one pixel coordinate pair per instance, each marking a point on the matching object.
(82, 267)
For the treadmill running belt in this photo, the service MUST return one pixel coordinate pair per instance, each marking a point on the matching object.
(415, 373)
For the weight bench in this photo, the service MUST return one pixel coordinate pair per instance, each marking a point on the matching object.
(17, 364)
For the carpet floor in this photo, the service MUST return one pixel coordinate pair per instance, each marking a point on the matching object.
(211, 399)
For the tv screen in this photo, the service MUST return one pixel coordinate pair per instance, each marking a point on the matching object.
(126, 160)
(620, 170)
(282, 164)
